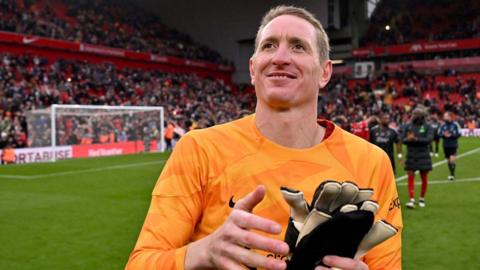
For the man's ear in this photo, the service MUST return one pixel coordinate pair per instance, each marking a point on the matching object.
(252, 71)
(326, 74)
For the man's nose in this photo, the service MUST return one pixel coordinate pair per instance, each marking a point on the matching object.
(282, 55)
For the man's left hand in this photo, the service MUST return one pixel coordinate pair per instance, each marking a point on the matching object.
(343, 263)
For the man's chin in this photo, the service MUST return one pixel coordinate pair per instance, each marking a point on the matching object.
(280, 102)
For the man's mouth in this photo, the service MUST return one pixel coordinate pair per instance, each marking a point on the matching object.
(281, 75)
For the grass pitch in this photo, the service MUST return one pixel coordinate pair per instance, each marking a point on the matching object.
(87, 213)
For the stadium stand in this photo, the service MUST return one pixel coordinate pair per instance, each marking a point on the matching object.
(400, 92)
(426, 53)
(413, 20)
(118, 24)
(30, 81)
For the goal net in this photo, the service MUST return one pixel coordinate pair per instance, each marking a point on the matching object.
(91, 126)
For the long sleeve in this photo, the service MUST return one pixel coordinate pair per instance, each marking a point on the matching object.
(174, 211)
(402, 133)
(456, 134)
(387, 255)
(440, 131)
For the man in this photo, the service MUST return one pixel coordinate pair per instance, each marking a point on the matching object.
(450, 132)
(360, 127)
(417, 136)
(243, 164)
(168, 136)
(385, 137)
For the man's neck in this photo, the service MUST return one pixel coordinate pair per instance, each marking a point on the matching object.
(293, 128)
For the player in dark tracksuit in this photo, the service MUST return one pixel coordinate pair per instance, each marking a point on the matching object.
(417, 135)
(450, 132)
(385, 137)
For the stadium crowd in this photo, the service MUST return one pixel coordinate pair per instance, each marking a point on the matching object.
(399, 93)
(29, 83)
(414, 20)
(118, 24)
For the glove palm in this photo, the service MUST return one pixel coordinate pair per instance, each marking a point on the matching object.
(339, 221)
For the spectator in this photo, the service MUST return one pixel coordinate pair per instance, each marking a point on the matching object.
(417, 135)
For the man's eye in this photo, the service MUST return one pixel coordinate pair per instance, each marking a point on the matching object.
(299, 47)
(267, 46)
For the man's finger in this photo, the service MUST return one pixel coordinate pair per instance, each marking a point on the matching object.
(344, 263)
(253, 198)
(253, 259)
(225, 263)
(256, 241)
(250, 221)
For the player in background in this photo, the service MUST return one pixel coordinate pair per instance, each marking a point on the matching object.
(386, 137)
(168, 136)
(450, 132)
(435, 124)
(417, 135)
(360, 127)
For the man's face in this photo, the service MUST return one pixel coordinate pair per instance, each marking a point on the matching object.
(447, 117)
(285, 68)
(417, 116)
(385, 119)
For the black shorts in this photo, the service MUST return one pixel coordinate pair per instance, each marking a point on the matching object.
(449, 151)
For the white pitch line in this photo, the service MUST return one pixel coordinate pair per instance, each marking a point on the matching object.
(436, 164)
(115, 167)
(14, 176)
(436, 182)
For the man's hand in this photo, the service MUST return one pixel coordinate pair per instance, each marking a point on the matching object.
(411, 136)
(229, 246)
(342, 263)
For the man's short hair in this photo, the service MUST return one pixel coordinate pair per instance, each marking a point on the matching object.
(323, 47)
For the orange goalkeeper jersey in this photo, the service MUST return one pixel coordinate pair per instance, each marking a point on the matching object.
(212, 168)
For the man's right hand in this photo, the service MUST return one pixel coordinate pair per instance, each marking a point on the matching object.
(229, 247)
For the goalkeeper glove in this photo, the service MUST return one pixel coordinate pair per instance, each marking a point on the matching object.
(338, 222)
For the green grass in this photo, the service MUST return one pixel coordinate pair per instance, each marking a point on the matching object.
(78, 221)
(445, 234)
(89, 216)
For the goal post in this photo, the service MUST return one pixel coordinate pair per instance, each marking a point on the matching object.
(90, 126)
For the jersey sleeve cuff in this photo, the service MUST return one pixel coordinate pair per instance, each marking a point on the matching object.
(180, 254)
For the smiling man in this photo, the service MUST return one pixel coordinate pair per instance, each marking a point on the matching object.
(218, 204)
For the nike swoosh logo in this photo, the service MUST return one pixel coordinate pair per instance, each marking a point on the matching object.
(28, 40)
(231, 203)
